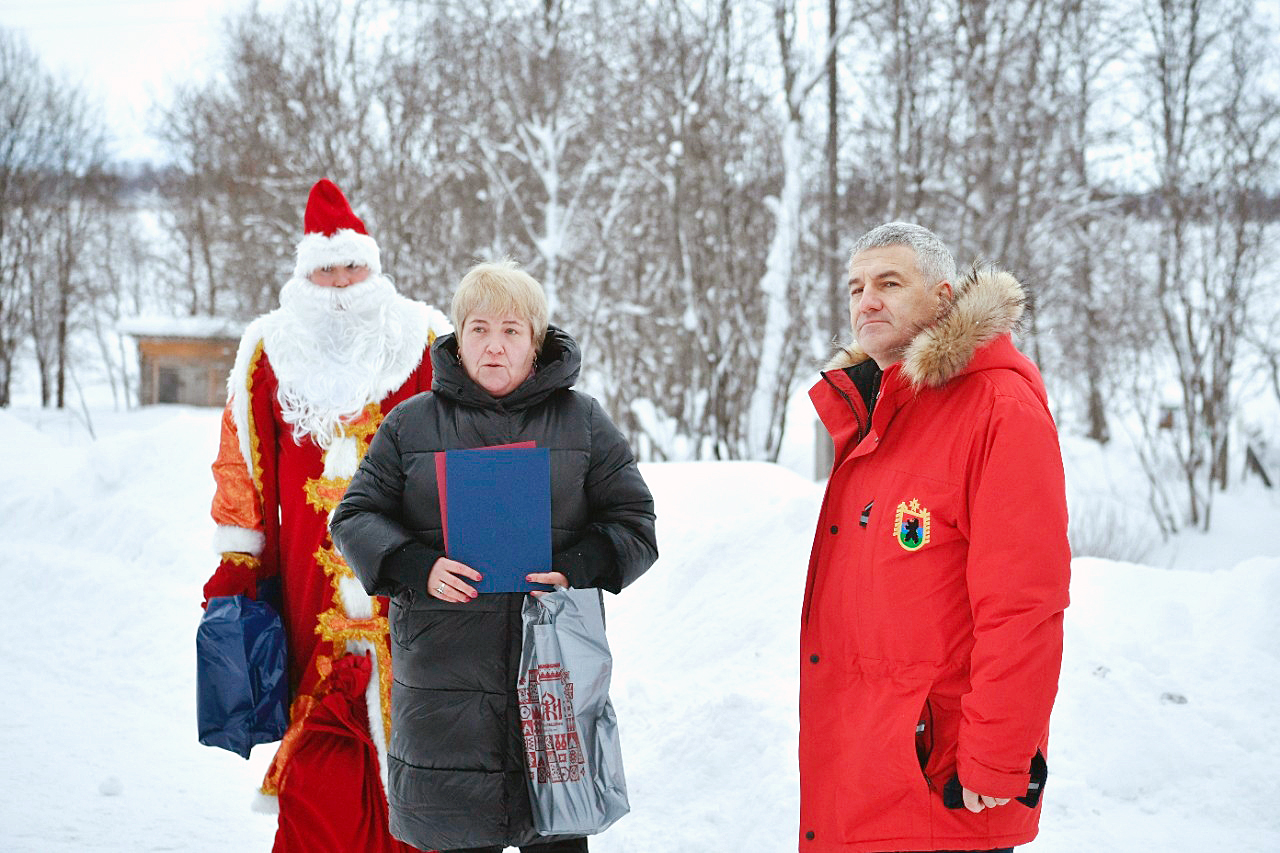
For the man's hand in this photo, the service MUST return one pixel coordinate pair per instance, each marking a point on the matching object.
(977, 802)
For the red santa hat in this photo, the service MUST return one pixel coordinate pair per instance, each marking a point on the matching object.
(333, 235)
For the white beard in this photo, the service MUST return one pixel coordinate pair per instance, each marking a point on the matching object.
(332, 349)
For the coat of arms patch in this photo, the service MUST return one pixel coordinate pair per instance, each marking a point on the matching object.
(911, 525)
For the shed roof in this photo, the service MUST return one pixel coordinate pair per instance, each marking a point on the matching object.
(181, 327)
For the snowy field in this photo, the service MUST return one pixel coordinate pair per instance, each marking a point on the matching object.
(1164, 735)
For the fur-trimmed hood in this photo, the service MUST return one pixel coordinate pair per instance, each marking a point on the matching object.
(986, 304)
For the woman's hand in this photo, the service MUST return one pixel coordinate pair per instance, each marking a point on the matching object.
(446, 581)
(556, 579)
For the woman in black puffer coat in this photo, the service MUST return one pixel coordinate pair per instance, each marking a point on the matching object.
(456, 759)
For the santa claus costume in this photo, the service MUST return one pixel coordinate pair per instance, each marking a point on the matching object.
(312, 381)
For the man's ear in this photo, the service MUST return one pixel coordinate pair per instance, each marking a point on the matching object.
(945, 292)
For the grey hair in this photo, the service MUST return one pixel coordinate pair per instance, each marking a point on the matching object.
(933, 258)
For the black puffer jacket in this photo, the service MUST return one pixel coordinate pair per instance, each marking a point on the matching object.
(456, 756)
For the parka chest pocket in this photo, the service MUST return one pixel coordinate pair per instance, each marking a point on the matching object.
(914, 571)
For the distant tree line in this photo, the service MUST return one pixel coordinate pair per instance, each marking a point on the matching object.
(685, 177)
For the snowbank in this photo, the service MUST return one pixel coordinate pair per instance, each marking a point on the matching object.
(1163, 733)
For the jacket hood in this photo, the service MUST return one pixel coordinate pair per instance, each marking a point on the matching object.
(987, 304)
(557, 367)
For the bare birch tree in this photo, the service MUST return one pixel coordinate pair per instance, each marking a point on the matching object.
(51, 183)
(1215, 147)
(780, 352)
(294, 101)
(24, 91)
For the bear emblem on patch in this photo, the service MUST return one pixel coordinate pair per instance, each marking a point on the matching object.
(911, 525)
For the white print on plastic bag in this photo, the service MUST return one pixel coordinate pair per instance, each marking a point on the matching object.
(548, 720)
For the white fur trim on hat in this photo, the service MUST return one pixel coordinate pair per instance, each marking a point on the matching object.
(345, 246)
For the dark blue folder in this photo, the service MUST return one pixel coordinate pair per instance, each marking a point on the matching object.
(498, 505)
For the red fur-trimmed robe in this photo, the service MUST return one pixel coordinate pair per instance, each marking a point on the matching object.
(272, 505)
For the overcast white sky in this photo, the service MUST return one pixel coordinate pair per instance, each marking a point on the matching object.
(129, 51)
(125, 51)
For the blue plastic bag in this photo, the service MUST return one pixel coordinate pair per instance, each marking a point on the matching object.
(241, 674)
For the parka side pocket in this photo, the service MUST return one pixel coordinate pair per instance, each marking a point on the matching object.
(953, 793)
(398, 611)
(924, 740)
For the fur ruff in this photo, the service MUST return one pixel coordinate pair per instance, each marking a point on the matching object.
(987, 303)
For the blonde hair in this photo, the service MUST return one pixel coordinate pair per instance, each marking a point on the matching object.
(501, 287)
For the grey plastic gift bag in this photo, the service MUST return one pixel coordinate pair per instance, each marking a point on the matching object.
(573, 755)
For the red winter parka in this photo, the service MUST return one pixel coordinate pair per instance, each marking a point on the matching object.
(931, 636)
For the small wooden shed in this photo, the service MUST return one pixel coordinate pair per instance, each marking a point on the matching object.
(184, 359)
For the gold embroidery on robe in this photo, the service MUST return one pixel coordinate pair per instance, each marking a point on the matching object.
(340, 629)
(301, 708)
(333, 625)
(324, 493)
(364, 425)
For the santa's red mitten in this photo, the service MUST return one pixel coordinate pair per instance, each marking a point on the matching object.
(237, 574)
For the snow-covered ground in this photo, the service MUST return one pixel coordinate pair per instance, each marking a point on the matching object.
(1164, 735)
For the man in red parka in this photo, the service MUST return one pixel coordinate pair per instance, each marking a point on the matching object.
(312, 381)
(931, 634)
